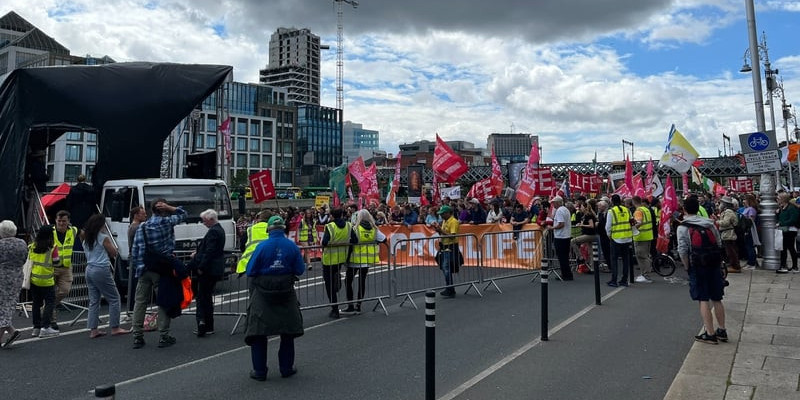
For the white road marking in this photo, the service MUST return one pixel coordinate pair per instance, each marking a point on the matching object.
(522, 350)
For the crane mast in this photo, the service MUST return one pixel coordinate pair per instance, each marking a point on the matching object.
(340, 51)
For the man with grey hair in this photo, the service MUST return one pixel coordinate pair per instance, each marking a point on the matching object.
(208, 262)
(562, 227)
(602, 237)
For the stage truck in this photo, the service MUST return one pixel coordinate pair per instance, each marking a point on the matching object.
(194, 195)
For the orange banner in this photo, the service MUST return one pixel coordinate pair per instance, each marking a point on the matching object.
(493, 243)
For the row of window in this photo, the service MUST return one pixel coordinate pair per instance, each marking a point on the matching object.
(74, 152)
(71, 172)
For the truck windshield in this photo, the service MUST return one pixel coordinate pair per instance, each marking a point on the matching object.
(193, 198)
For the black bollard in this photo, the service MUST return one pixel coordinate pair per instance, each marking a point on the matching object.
(105, 391)
(430, 345)
(632, 251)
(545, 275)
(596, 262)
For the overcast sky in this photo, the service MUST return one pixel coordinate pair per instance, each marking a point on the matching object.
(582, 74)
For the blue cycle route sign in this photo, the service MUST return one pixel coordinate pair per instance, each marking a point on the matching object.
(757, 142)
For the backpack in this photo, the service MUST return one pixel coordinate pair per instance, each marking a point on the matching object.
(744, 225)
(704, 250)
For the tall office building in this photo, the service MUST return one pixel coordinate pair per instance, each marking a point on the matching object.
(357, 141)
(511, 147)
(319, 143)
(294, 63)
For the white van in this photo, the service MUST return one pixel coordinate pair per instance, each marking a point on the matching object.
(194, 195)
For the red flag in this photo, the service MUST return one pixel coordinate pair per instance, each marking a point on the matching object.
(638, 187)
(544, 181)
(391, 198)
(668, 206)
(741, 185)
(648, 183)
(497, 175)
(446, 163)
(534, 158)
(423, 199)
(685, 181)
(261, 186)
(481, 190)
(629, 175)
(526, 191)
(369, 185)
(336, 201)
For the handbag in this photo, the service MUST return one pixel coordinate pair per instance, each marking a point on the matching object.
(778, 240)
(188, 295)
(26, 274)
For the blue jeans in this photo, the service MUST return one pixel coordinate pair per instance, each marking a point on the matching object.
(446, 266)
(751, 251)
(100, 281)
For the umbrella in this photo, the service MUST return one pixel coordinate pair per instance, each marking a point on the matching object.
(57, 194)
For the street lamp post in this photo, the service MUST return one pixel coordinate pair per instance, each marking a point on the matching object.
(766, 186)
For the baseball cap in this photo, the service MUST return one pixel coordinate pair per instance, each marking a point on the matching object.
(275, 222)
(445, 209)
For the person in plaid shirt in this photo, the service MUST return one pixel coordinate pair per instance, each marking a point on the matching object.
(160, 238)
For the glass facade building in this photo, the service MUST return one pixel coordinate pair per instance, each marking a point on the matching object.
(357, 141)
(319, 142)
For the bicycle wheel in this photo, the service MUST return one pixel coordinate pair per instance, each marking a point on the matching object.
(664, 265)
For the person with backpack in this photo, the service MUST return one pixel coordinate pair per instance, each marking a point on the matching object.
(727, 222)
(699, 248)
(788, 220)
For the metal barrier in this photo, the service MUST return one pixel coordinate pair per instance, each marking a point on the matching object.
(78, 296)
(313, 293)
(549, 258)
(415, 270)
(526, 247)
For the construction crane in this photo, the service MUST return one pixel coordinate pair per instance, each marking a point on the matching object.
(340, 51)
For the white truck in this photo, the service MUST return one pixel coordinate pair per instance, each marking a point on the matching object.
(194, 195)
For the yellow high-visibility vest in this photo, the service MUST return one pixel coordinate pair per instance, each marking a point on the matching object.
(365, 253)
(620, 223)
(646, 228)
(335, 253)
(65, 249)
(42, 270)
(303, 235)
(255, 235)
(574, 231)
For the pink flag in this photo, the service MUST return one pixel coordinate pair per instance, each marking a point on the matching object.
(225, 129)
(668, 206)
(481, 190)
(446, 163)
(648, 182)
(535, 158)
(526, 191)
(497, 175)
(357, 170)
(369, 186)
(437, 198)
(638, 187)
(391, 197)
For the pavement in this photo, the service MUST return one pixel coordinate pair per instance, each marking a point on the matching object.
(761, 361)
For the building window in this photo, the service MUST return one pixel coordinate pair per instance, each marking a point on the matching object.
(89, 172)
(211, 143)
(267, 147)
(50, 171)
(91, 137)
(75, 136)
(198, 142)
(287, 147)
(254, 161)
(185, 139)
(255, 145)
(51, 152)
(74, 153)
(241, 160)
(211, 123)
(255, 128)
(91, 153)
(241, 144)
(268, 129)
(241, 127)
(71, 172)
(266, 161)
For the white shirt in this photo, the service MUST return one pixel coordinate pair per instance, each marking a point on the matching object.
(562, 215)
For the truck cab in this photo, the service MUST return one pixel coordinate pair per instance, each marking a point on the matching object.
(193, 195)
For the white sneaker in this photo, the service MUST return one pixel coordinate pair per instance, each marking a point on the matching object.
(782, 270)
(642, 279)
(749, 268)
(35, 332)
(48, 332)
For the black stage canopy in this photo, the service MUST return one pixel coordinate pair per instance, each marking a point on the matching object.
(132, 106)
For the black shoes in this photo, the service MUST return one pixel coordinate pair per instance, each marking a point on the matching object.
(166, 341)
(255, 375)
(449, 293)
(612, 284)
(706, 338)
(203, 330)
(138, 342)
(334, 313)
(288, 374)
(350, 310)
(721, 334)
